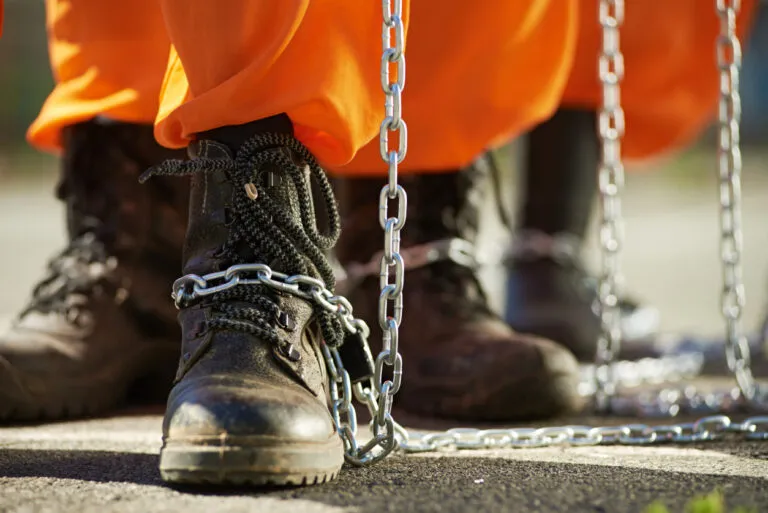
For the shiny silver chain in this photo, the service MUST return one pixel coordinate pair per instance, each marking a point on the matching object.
(706, 429)
(607, 371)
(391, 295)
(729, 163)
(610, 182)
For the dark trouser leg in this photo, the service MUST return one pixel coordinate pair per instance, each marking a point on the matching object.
(548, 290)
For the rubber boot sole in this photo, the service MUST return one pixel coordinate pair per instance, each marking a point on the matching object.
(254, 461)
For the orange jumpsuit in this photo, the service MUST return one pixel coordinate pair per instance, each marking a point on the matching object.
(478, 72)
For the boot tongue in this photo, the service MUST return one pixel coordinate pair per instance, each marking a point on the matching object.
(214, 215)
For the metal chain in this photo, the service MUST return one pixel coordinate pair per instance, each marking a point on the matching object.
(606, 371)
(705, 429)
(737, 351)
(390, 310)
(610, 181)
(378, 393)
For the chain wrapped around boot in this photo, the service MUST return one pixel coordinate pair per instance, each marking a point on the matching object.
(249, 403)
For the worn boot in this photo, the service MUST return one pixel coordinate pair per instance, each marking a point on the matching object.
(100, 322)
(460, 359)
(249, 403)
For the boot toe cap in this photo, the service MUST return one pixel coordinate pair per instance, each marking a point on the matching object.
(218, 407)
(494, 375)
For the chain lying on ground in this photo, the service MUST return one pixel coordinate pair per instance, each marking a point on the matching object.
(703, 430)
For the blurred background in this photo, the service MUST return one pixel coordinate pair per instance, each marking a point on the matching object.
(671, 258)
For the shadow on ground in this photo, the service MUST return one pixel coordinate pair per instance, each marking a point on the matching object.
(425, 484)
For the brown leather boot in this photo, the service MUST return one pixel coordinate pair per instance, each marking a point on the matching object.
(100, 321)
(460, 359)
(249, 404)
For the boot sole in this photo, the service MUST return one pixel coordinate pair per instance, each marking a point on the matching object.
(257, 462)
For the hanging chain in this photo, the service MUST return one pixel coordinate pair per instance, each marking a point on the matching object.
(378, 396)
(610, 181)
(391, 295)
(729, 162)
(607, 372)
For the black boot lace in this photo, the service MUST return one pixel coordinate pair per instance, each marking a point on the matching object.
(74, 275)
(264, 231)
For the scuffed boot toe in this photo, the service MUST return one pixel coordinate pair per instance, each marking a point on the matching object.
(485, 377)
(220, 431)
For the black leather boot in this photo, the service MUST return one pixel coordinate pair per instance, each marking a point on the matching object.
(100, 322)
(462, 361)
(249, 404)
(549, 292)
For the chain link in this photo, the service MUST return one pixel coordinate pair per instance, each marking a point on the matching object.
(610, 181)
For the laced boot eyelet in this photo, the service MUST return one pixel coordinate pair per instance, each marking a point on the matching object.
(285, 321)
(289, 351)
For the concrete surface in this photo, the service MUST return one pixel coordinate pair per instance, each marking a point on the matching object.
(109, 465)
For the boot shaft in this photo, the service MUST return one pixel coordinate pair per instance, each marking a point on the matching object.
(255, 204)
(99, 185)
(441, 205)
(136, 231)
